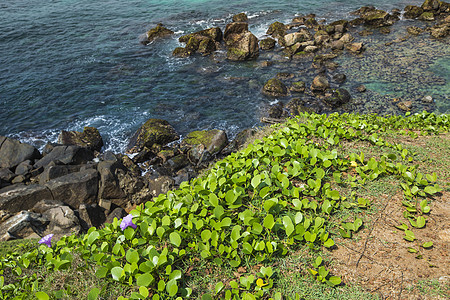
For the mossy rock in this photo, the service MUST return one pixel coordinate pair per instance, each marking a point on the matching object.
(427, 16)
(90, 138)
(311, 23)
(206, 47)
(154, 131)
(412, 12)
(241, 17)
(298, 87)
(267, 44)
(214, 33)
(275, 88)
(213, 140)
(157, 32)
(431, 5)
(181, 52)
(277, 29)
(338, 98)
(244, 48)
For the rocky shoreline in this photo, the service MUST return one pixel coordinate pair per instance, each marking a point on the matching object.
(72, 185)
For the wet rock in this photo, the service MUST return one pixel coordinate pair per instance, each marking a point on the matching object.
(118, 213)
(385, 30)
(338, 98)
(62, 221)
(245, 48)
(356, 48)
(431, 5)
(90, 138)
(285, 75)
(427, 99)
(204, 42)
(275, 88)
(181, 52)
(320, 84)
(361, 88)
(412, 12)
(241, 17)
(267, 44)
(214, 33)
(311, 22)
(427, 16)
(293, 38)
(405, 105)
(157, 32)
(67, 155)
(13, 152)
(75, 188)
(22, 197)
(275, 110)
(298, 87)
(413, 30)
(175, 163)
(277, 30)
(346, 38)
(22, 225)
(440, 30)
(340, 26)
(233, 32)
(339, 78)
(374, 17)
(365, 32)
(337, 45)
(154, 131)
(311, 49)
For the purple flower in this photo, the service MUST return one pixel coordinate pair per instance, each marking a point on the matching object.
(47, 240)
(127, 221)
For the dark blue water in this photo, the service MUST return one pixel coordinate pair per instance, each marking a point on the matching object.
(65, 64)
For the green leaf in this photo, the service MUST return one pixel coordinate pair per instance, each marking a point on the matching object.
(132, 256)
(334, 280)
(207, 297)
(430, 190)
(269, 221)
(424, 206)
(116, 273)
(402, 227)
(219, 287)
(42, 296)
(145, 279)
(143, 291)
(213, 200)
(218, 211)
(175, 239)
(101, 272)
(256, 181)
(409, 236)
(412, 250)
(427, 245)
(93, 236)
(93, 294)
(172, 287)
(358, 222)
(287, 222)
(421, 222)
(329, 243)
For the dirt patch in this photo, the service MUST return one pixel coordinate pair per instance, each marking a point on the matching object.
(378, 258)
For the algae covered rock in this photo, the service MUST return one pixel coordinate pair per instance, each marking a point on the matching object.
(427, 16)
(412, 12)
(298, 87)
(276, 29)
(204, 143)
(241, 17)
(154, 131)
(234, 31)
(267, 44)
(275, 88)
(157, 32)
(90, 138)
(338, 98)
(204, 42)
(245, 48)
(431, 5)
(320, 84)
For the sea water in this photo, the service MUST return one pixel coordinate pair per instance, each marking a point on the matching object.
(66, 64)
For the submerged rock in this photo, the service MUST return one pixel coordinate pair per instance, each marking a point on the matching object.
(157, 32)
(275, 88)
(338, 98)
(320, 84)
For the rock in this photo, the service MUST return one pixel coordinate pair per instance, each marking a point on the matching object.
(90, 138)
(67, 155)
(75, 188)
(183, 175)
(339, 78)
(267, 44)
(212, 140)
(22, 225)
(62, 221)
(365, 32)
(440, 31)
(277, 29)
(298, 87)
(337, 45)
(338, 98)
(412, 12)
(131, 185)
(53, 171)
(45, 205)
(311, 22)
(13, 152)
(241, 17)
(233, 32)
(161, 185)
(204, 42)
(22, 197)
(340, 26)
(275, 88)
(246, 48)
(296, 106)
(19, 179)
(293, 38)
(405, 105)
(427, 99)
(24, 167)
(361, 88)
(91, 216)
(311, 49)
(6, 174)
(374, 17)
(240, 140)
(346, 38)
(118, 213)
(157, 32)
(427, 16)
(275, 111)
(356, 48)
(413, 30)
(154, 131)
(431, 5)
(174, 164)
(214, 33)
(181, 52)
(109, 183)
(319, 84)
(206, 47)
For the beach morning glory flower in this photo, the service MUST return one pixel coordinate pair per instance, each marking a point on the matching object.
(47, 240)
(127, 221)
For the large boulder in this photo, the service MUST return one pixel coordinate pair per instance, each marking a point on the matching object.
(67, 155)
(233, 32)
(62, 221)
(212, 140)
(412, 12)
(275, 88)
(267, 44)
(338, 98)
(109, 182)
(90, 138)
(53, 171)
(22, 225)
(157, 32)
(371, 16)
(241, 17)
(22, 197)
(440, 30)
(154, 131)
(214, 33)
(431, 5)
(13, 152)
(204, 42)
(76, 188)
(245, 48)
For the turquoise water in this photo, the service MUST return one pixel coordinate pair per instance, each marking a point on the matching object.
(65, 64)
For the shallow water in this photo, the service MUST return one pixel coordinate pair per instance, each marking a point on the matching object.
(67, 64)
